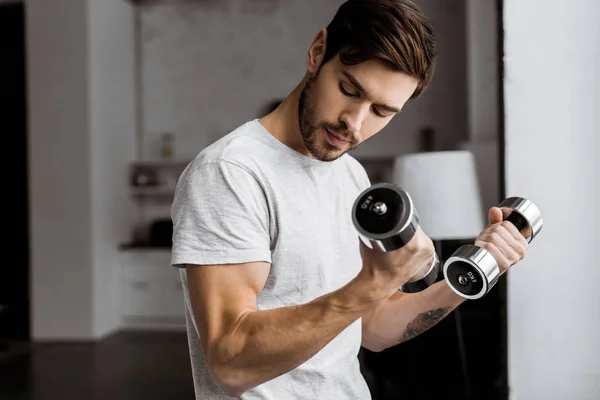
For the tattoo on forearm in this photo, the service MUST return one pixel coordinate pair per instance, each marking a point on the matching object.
(423, 322)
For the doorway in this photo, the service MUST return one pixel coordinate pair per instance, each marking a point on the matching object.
(14, 275)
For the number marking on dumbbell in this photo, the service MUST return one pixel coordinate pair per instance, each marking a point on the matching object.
(367, 202)
(472, 276)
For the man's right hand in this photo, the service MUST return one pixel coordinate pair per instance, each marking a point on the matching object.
(392, 269)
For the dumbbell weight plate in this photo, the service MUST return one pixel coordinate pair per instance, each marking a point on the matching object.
(385, 217)
(471, 272)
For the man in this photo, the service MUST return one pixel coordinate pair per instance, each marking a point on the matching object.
(280, 292)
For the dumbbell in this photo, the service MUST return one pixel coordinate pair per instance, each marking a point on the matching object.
(386, 219)
(471, 272)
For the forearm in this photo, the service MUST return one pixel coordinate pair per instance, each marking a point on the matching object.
(404, 316)
(265, 344)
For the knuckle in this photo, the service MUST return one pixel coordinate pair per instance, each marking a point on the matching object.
(485, 245)
(515, 258)
(429, 252)
(495, 237)
(497, 228)
(508, 225)
(523, 252)
(423, 244)
(429, 246)
(412, 247)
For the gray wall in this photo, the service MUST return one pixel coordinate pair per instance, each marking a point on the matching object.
(483, 96)
(112, 127)
(552, 91)
(59, 149)
(482, 69)
(209, 66)
(81, 136)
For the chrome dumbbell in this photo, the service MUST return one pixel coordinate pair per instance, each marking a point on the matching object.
(471, 272)
(386, 220)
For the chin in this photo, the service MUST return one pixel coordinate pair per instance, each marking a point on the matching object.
(330, 153)
(321, 149)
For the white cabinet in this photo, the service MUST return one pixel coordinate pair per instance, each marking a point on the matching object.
(152, 295)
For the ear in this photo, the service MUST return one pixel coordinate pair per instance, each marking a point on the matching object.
(316, 52)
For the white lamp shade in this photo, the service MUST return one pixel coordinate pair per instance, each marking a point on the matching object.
(445, 192)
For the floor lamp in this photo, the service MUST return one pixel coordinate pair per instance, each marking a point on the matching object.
(446, 195)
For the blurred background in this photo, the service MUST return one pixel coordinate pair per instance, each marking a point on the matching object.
(104, 102)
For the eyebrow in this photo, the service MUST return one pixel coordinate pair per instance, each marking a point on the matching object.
(358, 86)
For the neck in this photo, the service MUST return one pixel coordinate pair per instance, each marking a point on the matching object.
(283, 123)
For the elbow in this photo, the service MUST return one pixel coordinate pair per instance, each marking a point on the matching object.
(228, 379)
(231, 390)
(372, 347)
(231, 380)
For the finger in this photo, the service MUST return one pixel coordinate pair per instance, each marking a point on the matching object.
(494, 215)
(491, 248)
(517, 242)
(512, 229)
(507, 244)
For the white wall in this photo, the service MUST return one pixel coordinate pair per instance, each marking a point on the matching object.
(552, 91)
(209, 66)
(81, 131)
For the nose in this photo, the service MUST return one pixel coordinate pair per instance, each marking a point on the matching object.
(354, 118)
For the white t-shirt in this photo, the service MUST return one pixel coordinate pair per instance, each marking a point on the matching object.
(248, 197)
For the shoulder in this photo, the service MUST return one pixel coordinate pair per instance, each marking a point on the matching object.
(356, 170)
(353, 163)
(243, 143)
(241, 149)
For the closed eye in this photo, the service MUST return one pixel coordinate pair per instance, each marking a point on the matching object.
(377, 113)
(353, 95)
(347, 93)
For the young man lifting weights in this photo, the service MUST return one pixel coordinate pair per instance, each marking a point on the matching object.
(280, 292)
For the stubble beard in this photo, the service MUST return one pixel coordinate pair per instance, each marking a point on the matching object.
(309, 127)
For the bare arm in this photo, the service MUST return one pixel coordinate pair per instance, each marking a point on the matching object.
(404, 316)
(245, 347)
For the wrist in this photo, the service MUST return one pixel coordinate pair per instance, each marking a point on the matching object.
(448, 295)
(375, 286)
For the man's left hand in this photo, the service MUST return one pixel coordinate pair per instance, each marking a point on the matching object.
(503, 240)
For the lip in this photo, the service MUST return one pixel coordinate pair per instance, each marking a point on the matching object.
(336, 140)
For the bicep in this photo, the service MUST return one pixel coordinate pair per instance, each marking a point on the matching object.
(221, 294)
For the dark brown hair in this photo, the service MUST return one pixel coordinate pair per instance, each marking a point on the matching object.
(394, 31)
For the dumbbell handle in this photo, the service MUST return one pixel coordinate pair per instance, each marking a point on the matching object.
(517, 220)
(523, 214)
(431, 277)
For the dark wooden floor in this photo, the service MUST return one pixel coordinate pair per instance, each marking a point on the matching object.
(128, 366)
(153, 366)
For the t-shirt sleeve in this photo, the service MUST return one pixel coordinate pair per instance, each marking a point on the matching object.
(220, 216)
